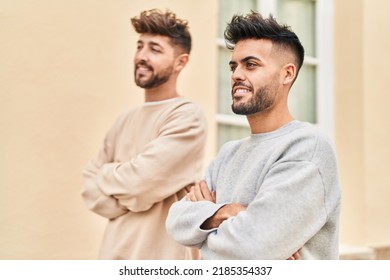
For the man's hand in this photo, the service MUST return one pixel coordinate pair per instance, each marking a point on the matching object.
(199, 192)
(295, 256)
(223, 213)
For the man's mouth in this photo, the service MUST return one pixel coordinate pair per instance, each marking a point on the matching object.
(240, 91)
(142, 69)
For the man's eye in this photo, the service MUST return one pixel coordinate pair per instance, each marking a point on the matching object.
(232, 68)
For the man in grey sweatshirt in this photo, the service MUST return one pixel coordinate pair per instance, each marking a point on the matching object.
(277, 191)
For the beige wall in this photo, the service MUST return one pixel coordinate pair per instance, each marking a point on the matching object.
(65, 74)
(362, 43)
(377, 131)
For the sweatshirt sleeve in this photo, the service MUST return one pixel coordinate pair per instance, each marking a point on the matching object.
(287, 211)
(166, 165)
(185, 218)
(98, 202)
(95, 199)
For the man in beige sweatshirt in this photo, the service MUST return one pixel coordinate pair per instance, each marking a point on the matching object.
(152, 152)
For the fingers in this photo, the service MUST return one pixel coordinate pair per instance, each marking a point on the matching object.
(295, 256)
(199, 192)
(214, 196)
(188, 187)
(204, 191)
(191, 195)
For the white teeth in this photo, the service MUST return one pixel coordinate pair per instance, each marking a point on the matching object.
(241, 90)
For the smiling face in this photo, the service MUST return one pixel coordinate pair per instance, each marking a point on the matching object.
(153, 61)
(256, 76)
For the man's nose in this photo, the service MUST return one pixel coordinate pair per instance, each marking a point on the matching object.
(141, 55)
(238, 75)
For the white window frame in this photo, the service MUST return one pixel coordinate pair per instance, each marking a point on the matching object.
(323, 62)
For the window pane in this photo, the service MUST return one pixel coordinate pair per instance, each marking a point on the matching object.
(302, 97)
(300, 15)
(228, 8)
(231, 132)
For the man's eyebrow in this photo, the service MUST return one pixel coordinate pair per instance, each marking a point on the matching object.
(155, 44)
(250, 58)
(232, 62)
(150, 43)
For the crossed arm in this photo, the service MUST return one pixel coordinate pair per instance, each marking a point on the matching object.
(200, 192)
(113, 187)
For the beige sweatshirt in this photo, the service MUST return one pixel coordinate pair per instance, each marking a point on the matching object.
(148, 157)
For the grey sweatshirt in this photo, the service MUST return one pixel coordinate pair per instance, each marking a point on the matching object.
(288, 180)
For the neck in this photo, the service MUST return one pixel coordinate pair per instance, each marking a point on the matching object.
(162, 92)
(268, 121)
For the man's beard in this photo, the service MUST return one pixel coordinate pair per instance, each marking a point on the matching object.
(155, 80)
(260, 101)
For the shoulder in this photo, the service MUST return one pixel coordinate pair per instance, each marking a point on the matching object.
(124, 116)
(181, 116)
(320, 142)
(229, 148)
(323, 149)
(184, 109)
(305, 142)
(186, 105)
(305, 131)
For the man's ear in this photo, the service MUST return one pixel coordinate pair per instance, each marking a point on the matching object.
(289, 72)
(181, 61)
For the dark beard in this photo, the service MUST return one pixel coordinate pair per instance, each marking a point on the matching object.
(155, 80)
(260, 101)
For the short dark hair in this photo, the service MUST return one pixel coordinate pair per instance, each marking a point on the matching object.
(166, 24)
(254, 26)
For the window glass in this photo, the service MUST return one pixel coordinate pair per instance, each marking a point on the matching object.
(300, 15)
(228, 8)
(302, 96)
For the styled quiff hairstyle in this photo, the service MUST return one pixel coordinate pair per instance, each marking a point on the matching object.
(254, 26)
(165, 24)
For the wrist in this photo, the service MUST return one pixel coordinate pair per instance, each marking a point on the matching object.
(215, 220)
